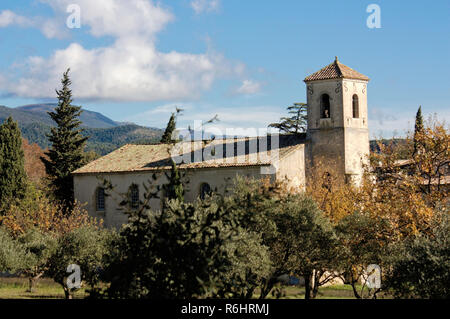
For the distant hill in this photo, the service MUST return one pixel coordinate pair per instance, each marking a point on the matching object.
(105, 135)
(89, 118)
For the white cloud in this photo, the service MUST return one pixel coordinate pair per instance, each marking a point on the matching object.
(201, 6)
(51, 28)
(248, 87)
(8, 18)
(131, 68)
(118, 18)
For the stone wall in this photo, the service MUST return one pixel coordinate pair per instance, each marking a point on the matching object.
(85, 186)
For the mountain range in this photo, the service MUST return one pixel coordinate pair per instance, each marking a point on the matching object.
(105, 135)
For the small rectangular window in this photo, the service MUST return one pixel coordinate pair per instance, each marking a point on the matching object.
(134, 194)
(100, 199)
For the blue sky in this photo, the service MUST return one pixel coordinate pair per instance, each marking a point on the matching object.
(135, 60)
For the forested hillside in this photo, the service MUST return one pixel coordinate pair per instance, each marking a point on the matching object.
(106, 136)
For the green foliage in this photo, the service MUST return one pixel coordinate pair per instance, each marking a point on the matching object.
(27, 254)
(11, 253)
(306, 244)
(362, 241)
(250, 264)
(66, 153)
(85, 247)
(296, 123)
(300, 239)
(13, 179)
(420, 267)
(176, 253)
(37, 247)
(174, 188)
(170, 129)
(168, 136)
(418, 128)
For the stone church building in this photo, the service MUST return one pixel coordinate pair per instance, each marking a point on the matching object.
(337, 137)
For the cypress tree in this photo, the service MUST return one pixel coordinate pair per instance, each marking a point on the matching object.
(66, 153)
(418, 129)
(13, 178)
(174, 188)
(170, 128)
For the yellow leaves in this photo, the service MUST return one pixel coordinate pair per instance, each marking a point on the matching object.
(48, 217)
(403, 192)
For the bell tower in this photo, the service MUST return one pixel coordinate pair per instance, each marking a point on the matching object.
(337, 120)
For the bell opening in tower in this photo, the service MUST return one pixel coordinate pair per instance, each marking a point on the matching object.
(325, 106)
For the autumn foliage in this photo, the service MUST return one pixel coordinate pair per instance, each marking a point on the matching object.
(39, 213)
(404, 192)
(34, 166)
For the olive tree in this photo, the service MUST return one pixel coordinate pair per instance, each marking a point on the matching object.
(85, 247)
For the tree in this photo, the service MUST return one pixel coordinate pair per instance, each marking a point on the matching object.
(431, 159)
(296, 123)
(306, 241)
(38, 247)
(178, 252)
(251, 203)
(13, 179)
(66, 153)
(170, 128)
(34, 166)
(250, 264)
(35, 224)
(362, 241)
(174, 188)
(299, 237)
(185, 250)
(85, 247)
(420, 267)
(418, 129)
(38, 212)
(11, 252)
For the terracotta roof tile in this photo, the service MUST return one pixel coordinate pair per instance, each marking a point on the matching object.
(336, 70)
(131, 158)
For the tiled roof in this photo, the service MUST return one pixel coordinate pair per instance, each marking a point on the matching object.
(132, 158)
(336, 70)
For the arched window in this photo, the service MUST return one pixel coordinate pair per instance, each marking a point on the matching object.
(100, 199)
(355, 103)
(325, 106)
(205, 190)
(134, 196)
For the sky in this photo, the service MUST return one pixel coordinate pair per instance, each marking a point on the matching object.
(137, 60)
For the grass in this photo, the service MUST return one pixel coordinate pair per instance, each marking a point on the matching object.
(16, 288)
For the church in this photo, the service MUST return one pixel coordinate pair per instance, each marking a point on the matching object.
(337, 137)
